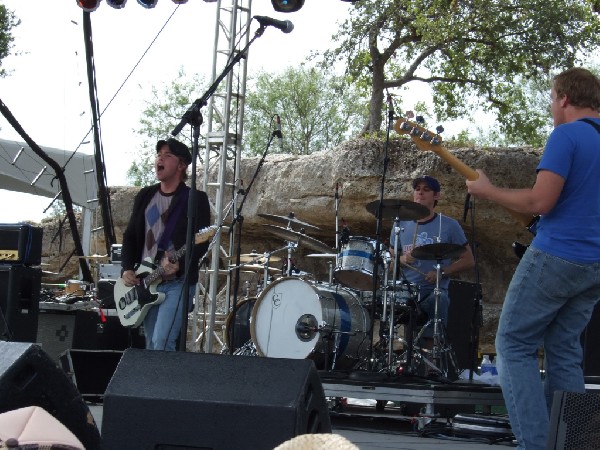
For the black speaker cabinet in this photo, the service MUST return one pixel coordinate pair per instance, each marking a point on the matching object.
(464, 304)
(93, 333)
(90, 370)
(19, 302)
(20, 243)
(55, 331)
(28, 377)
(160, 400)
(574, 421)
(105, 293)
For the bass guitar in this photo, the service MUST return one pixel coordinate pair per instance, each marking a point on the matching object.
(133, 302)
(429, 141)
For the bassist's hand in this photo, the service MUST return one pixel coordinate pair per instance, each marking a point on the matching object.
(129, 278)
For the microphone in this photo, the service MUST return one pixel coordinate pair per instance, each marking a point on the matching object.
(284, 25)
(467, 206)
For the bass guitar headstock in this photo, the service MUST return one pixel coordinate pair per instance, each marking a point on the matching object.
(423, 138)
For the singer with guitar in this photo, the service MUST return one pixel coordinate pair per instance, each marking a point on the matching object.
(156, 231)
(557, 283)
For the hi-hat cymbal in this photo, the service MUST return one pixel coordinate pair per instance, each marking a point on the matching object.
(258, 268)
(302, 239)
(401, 209)
(94, 257)
(289, 219)
(258, 258)
(438, 251)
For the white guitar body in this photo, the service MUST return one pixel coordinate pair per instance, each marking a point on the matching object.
(134, 302)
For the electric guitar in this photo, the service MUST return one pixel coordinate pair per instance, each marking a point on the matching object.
(133, 302)
(427, 140)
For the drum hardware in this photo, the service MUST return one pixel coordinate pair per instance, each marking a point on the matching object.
(441, 346)
(356, 263)
(257, 258)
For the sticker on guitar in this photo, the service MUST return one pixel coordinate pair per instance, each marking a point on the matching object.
(429, 141)
(133, 302)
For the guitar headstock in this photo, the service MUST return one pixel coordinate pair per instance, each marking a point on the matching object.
(205, 234)
(422, 137)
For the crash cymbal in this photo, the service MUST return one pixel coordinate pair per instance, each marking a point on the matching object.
(258, 258)
(258, 268)
(301, 239)
(287, 220)
(322, 255)
(438, 251)
(401, 209)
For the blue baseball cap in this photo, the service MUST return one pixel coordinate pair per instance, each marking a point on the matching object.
(433, 184)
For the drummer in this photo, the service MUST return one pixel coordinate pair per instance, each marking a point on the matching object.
(433, 229)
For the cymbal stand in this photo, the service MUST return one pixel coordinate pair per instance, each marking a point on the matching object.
(440, 340)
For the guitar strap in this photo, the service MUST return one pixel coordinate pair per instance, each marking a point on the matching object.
(176, 209)
(592, 123)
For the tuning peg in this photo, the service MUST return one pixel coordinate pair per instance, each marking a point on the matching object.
(420, 120)
(439, 129)
(410, 114)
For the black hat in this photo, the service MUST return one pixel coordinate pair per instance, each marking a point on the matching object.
(433, 184)
(177, 148)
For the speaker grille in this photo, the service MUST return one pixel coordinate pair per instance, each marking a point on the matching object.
(575, 421)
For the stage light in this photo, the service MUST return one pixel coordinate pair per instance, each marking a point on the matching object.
(287, 6)
(88, 5)
(148, 3)
(118, 4)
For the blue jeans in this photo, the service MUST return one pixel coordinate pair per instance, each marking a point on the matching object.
(548, 303)
(162, 324)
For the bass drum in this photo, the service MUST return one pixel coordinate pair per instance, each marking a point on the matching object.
(297, 319)
(241, 334)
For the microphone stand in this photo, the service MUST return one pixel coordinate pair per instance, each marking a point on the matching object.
(477, 318)
(239, 219)
(193, 117)
(378, 233)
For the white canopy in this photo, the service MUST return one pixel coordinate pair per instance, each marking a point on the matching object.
(29, 173)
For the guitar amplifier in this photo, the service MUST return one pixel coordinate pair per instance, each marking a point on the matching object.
(20, 243)
(115, 253)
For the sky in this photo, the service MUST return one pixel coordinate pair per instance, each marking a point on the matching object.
(47, 89)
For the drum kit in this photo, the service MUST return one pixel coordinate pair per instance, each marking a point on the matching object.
(331, 321)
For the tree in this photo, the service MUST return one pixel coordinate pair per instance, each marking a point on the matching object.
(8, 21)
(474, 53)
(317, 111)
(162, 113)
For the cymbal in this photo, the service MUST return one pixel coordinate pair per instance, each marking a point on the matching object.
(401, 209)
(258, 258)
(322, 255)
(302, 239)
(94, 257)
(287, 220)
(259, 268)
(438, 251)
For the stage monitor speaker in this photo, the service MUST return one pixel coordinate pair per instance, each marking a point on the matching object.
(55, 331)
(574, 421)
(163, 400)
(19, 302)
(464, 304)
(28, 377)
(20, 244)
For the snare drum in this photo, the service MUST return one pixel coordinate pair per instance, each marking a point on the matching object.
(356, 263)
(296, 319)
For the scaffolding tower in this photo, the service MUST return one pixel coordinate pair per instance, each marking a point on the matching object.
(221, 177)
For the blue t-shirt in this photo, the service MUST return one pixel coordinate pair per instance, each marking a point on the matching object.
(571, 230)
(439, 229)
